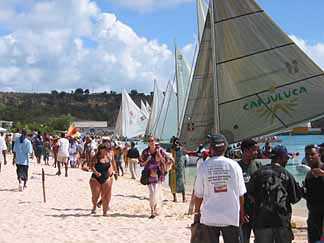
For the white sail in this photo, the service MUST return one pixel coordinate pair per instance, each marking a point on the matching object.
(131, 121)
(167, 124)
(183, 81)
(158, 98)
(148, 107)
(144, 109)
(202, 9)
(119, 126)
(250, 78)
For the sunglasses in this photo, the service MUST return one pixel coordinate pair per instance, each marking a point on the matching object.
(151, 140)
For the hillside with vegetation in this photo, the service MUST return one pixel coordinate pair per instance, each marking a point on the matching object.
(57, 109)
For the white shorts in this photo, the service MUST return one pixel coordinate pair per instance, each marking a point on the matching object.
(63, 159)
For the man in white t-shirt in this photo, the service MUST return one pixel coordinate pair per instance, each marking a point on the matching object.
(63, 154)
(3, 149)
(219, 190)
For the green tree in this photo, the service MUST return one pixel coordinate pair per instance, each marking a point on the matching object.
(79, 91)
(134, 92)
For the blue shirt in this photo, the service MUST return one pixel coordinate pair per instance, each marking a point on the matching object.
(22, 151)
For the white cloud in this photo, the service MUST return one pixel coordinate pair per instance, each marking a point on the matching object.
(314, 50)
(150, 5)
(65, 45)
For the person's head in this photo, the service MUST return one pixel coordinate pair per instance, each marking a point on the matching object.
(151, 141)
(249, 149)
(102, 151)
(23, 135)
(17, 130)
(321, 151)
(107, 141)
(1, 134)
(62, 135)
(312, 155)
(217, 144)
(133, 144)
(279, 154)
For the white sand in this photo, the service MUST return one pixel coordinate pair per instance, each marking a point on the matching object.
(65, 217)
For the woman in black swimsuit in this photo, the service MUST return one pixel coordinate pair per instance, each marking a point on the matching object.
(101, 181)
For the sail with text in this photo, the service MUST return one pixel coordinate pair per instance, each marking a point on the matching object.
(250, 78)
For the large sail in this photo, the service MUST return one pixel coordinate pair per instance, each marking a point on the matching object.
(158, 97)
(202, 9)
(183, 81)
(131, 122)
(250, 79)
(167, 124)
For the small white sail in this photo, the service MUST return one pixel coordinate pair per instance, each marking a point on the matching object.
(250, 78)
(202, 9)
(148, 107)
(131, 121)
(167, 124)
(158, 98)
(183, 81)
(144, 109)
(118, 128)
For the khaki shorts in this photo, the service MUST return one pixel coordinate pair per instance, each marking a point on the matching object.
(63, 159)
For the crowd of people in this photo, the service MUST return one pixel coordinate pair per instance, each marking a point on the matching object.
(235, 198)
(232, 198)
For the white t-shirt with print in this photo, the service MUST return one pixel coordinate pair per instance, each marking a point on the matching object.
(3, 147)
(220, 183)
(63, 149)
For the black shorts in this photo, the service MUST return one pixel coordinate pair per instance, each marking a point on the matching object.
(22, 172)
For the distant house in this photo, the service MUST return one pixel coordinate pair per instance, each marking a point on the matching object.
(93, 127)
(6, 124)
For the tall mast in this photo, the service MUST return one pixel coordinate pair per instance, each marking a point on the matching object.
(214, 68)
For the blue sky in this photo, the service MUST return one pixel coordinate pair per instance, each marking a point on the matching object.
(114, 44)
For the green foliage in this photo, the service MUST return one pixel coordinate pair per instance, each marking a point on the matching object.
(78, 91)
(134, 92)
(60, 123)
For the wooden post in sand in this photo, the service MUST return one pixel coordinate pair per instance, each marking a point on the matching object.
(43, 184)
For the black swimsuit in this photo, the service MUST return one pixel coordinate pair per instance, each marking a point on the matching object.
(102, 168)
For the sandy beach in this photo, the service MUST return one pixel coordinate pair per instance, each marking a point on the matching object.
(65, 217)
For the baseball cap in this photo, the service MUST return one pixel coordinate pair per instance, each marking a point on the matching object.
(279, 150)
(217, 140)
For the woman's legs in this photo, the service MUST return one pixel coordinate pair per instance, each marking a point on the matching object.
(95, 190)
(106, 195)
(155, 194)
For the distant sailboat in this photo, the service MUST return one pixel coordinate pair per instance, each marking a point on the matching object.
(167, 123)
(158, 98)
(183, 81)
(131, 121)
(144, 110)
(250, 78)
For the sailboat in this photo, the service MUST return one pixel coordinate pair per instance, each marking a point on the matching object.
(144, 109)
(250, 78)
(158, 98)
(131, 121)
(167, 122)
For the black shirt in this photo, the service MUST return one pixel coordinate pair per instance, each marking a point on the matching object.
(274, 190)
(314, 193)
(248, 170)
(133, 153)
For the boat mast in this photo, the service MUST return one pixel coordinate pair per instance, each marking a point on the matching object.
(214, 68)
(177, 84)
